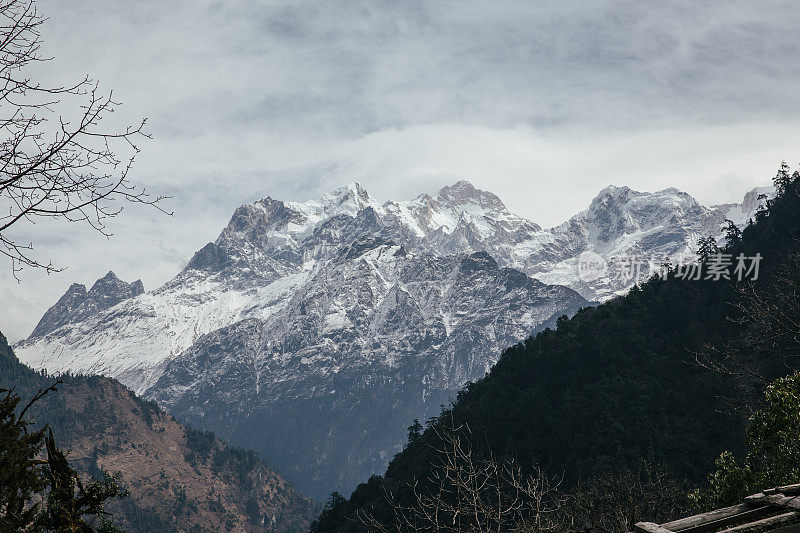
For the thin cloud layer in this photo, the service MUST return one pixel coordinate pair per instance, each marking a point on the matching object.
(542, 103)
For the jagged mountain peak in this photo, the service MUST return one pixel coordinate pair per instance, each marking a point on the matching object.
(352, 191)
(346, 200)
(109, 276)
(269, 214)
(460, 189)
(77, 304)
(76, 288)
(740, 214)
(612, 192)
(301, 306)
(463, 193)
(625, 194)
(261, 216)
(637, 207)
(110, 284)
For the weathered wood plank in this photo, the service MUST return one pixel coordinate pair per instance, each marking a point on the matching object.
(794, 503)
(790, 490)
(650, 527)
(734, 519)
(778, 500)
(755, 498)
(692, 521)
(766, 524)
(794, 528)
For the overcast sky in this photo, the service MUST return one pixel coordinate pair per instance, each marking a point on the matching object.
(542, 103)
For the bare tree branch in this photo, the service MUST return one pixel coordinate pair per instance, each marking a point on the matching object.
(466, 491)
(50, 166)
(768, 312)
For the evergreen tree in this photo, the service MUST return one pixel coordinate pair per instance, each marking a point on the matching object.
(773, 458)
(19, 477)
(706, 248)
(71, 505)
(414, 431)
(733, 235)
(782, 179)
(45, 494)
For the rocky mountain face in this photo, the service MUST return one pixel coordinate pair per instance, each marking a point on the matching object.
(312, 331)
(77, 304)
(633, 232)
(179, 479)
(376, 338)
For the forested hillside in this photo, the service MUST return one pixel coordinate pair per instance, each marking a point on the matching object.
(665, 374)
(178, 479)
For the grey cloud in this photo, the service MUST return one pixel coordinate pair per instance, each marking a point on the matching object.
(351, 68)
(544, 103)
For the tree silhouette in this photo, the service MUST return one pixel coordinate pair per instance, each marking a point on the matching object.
(56, 158)
(733, 235)
(47, 494)
(706, 248)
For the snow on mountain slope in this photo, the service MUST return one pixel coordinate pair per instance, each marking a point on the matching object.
(305, 321)
(378, 337)
(633, 232)
(267, 250)
(257, 262)
(77, 304)
(740, 214)
(134, 339)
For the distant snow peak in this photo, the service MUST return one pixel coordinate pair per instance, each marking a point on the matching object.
(463, 193)
(354, 317)
(740, 214)
(611, 192)
(350, 192)
(77, 304)
(270, 240)
(347, 200)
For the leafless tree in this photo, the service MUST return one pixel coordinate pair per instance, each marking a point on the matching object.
(470, 492)
(473, 492)
(768, 311)
(772, 312)
(56, 158)
(614, 503)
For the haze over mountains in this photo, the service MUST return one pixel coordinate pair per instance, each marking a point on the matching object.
(314, 332)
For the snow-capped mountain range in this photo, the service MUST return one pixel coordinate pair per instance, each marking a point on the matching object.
(314, 332)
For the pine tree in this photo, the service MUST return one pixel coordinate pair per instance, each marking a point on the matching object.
(782, 179)
(733, 235)
(45, 494)
(414, 431)
(19, 477)
(706, 248)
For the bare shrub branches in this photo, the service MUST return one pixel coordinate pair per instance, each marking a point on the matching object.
(474, 491)
(51, 166)
(467, 491)
(614, 503)
(769, 312)
(773, 311)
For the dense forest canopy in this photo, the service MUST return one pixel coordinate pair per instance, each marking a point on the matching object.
(667, 374)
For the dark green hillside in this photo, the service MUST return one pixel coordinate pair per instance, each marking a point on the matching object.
(613, 385)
